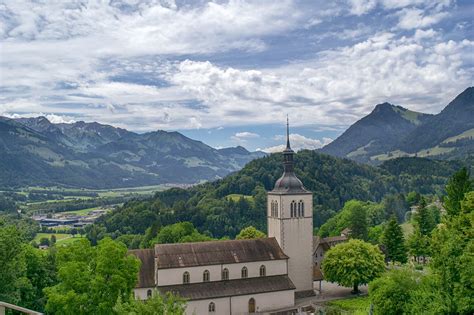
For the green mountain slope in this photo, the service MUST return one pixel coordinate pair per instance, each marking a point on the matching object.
(92, 155)
(216, 208)
(376, 133)
(393, 131)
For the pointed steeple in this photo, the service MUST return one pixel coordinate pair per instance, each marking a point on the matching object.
(288, 182)
(287, 133)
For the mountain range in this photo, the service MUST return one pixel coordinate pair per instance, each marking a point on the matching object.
(391, 131)
(92, 155)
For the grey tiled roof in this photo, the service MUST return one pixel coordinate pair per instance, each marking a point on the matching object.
(217, 252)
(146, 276)
(219, 289)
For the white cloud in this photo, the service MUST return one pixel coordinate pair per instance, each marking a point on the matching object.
(299, 142)
(242, 137)
(360, 7)
(417, 18)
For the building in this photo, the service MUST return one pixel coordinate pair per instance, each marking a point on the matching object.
(241, 276)
(322, 245)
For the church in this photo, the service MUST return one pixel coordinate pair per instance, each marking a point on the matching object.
(241, 276)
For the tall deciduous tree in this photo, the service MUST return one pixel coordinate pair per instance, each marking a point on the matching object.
(92, 278)
(394, 241)
(358, 222)
(459, 184)
(353, 263)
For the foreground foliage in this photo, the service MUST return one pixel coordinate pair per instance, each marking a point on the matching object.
(91, 279)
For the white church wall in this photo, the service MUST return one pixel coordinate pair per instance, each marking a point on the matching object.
(175, 275)
(263, 301)
(272, 267)
(199, 307)
(142, 293)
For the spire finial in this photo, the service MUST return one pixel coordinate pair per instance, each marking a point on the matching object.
(287, 133)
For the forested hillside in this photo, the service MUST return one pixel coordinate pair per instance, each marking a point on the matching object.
(224, 207)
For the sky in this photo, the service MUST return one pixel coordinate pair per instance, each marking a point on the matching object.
(229, 72)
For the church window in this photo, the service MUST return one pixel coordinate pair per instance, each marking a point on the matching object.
(276, 209)
(212, 307)
(244, 272)
(148, 293)
(301, 208)
(225, 274)
(206, 276)
(293, 209)
(186, 277)
(252, 305)
(263, 271)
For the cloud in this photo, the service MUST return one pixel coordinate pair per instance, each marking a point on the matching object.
(359, 7)
(416, 18)
(242, 137)
(299, 142)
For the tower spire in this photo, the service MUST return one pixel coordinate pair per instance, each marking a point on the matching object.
(287, 133)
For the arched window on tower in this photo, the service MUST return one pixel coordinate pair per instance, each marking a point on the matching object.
(186, 277)
(225, 274)
(276, 209)
(301, 208)
(206, 276)
(293, 209)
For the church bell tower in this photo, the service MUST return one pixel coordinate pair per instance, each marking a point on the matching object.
(290, 221)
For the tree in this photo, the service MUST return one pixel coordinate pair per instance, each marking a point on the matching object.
(390, 294)
(53, 239)
(91, 279)
(156, 305)
(424, 219)
(353, 263)
(181, 232)
(44, 241)
(459, 184)
(250, 233)
(358, 222)
(418, 245)
(413, 198)
(13, 264)
(394, 241)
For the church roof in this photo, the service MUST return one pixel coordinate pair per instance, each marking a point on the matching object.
(146, 276)
(217, 252)
(327, 242)
(219, 289)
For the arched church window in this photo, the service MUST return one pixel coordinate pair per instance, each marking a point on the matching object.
(252, 305)
(225, 274)
(293, 209)
(301, 208)
(244, 272)
(263, 271)
(276, 209)
(148, 294)
(212, 307)
(206, 276)
(186, 277)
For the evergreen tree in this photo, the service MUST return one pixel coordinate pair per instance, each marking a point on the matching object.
(459, 184)
(418, 245)
(394, 242)
(424, 219)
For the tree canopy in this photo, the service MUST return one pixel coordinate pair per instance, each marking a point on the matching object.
(353, 263)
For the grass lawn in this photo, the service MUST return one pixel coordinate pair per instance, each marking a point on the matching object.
(356, 306)
(80, 212)
(61, 238)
